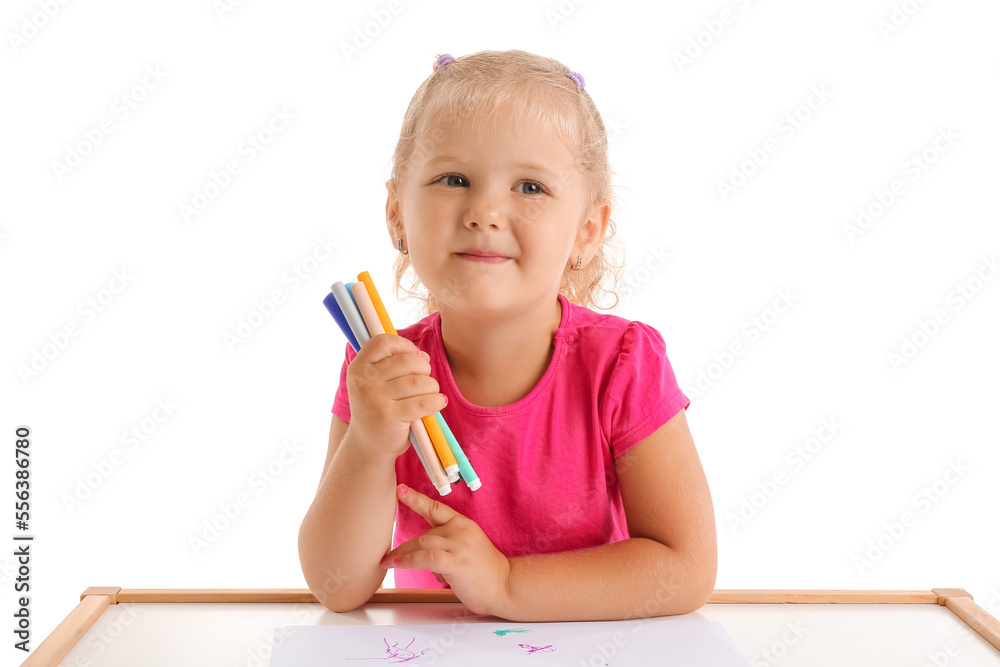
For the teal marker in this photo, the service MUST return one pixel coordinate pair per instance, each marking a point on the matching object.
(464, 467)
(349, 291)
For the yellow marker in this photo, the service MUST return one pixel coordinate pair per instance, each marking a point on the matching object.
(441, 447)
(377, 302)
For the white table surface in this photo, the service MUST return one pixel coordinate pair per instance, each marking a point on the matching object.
(814, 635)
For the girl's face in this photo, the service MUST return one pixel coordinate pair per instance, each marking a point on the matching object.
(491, 219)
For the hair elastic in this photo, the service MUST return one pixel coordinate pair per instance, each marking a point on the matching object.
(443, 60)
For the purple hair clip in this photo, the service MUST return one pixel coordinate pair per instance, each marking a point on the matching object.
(444, 59)
(576, 76)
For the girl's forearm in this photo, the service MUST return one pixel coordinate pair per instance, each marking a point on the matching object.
(348, 528)
(633, 578)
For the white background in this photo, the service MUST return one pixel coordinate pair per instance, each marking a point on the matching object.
(895, 77)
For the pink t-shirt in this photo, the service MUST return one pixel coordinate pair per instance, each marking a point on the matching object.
(546, 461)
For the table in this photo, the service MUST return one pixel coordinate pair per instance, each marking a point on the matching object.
(113, 627)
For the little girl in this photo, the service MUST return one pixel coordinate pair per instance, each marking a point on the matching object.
(594, 504)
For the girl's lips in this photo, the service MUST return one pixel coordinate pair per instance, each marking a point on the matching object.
(496, 259)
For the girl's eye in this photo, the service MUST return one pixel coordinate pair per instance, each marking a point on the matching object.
(537, 188)
(448, 180)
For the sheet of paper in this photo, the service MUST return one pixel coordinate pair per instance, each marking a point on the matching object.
(646, 642)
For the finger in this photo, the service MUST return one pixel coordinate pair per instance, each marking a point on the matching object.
(435, 560)
(429, 541)
(436, 512)
(410, 386)
(404, 363)
(387, 367)
(422, 406)
(381, 346)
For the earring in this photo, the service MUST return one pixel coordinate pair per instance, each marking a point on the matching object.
(399, 247)
(579, 262)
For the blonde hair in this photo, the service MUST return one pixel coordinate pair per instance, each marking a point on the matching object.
(474, 87)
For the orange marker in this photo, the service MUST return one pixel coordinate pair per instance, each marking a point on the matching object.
(441, 447)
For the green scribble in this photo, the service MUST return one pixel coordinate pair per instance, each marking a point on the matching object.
(501, 633)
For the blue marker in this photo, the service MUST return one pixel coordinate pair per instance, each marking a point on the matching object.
(331, 305)
(353, 300)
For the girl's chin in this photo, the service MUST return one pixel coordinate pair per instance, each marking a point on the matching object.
(485, 301)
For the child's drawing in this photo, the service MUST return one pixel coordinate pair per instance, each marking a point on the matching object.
(464, 642)
(395, 654)
(537, 649)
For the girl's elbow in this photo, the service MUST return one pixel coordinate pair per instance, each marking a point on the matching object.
(692, 597)
(336, 585)
(340, 603)
(337, 593)
(693, 585)
(700, 597)
(703, 584)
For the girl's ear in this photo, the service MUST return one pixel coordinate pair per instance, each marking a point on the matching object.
(593, 228)
(392, 220)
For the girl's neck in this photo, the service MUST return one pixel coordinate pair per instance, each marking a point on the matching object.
(499, 362)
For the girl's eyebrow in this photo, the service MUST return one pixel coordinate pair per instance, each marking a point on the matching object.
(536, 166)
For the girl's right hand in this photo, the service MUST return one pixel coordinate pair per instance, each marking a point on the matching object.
(389, 385)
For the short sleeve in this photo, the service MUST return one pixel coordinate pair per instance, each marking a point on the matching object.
(642, 393)
(341, 404)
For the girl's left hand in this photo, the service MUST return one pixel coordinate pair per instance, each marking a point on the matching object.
(457, 549)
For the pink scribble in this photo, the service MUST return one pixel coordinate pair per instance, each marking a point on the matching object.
(397, 655)
(537, 649)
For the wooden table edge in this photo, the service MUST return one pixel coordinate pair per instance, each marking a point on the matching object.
(95, 600)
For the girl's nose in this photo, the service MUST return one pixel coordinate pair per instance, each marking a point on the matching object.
(486, 209)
